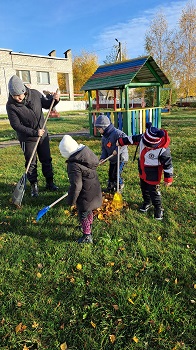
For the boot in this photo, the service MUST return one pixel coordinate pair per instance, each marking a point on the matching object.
(51, 186)
(86, 239)
(34, 189)
(158, 213)
(145, 207)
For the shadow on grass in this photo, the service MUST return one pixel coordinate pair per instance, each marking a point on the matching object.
(22, 221)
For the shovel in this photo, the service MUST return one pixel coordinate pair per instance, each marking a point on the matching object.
(43, 211)
(117, 199)
(19, 191)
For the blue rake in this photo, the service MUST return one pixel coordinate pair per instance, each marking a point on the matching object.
(43, 211)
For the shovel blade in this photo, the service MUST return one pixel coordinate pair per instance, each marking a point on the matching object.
(42, 212)
(117, 200)
(18, 194)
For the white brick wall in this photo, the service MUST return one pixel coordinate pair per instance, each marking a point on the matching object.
(11, 61)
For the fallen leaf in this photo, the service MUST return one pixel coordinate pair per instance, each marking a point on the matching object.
(112, 338)
(39, 275)
(93, 324)
(79, 266)
(135, 339)
(115, 307)
(131, 301)
(63, 346)
(161, 328)
(25, 348)
(20, 328)
(35, 325)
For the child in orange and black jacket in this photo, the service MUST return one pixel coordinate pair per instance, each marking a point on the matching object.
(154, 159)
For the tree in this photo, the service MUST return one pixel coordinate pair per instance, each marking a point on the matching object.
(159, 43)
(186, 45)
(83, 67)
(118, 53)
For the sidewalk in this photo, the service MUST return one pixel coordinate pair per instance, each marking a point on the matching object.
(84, 133)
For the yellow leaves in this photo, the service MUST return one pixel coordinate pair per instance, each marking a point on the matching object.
(63, 346)
(35, 325)
(161, 328)
(93, 324)
(112, 338)
(67, 212)
(25, 348)
(39, 275)
(130, 301)
(135, 339)
(79, 266)
(109, 208)
(20, 328)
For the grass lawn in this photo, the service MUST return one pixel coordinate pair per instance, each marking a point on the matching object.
(134, 288)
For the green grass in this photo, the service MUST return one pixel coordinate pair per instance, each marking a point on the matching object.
(68, 122)
(137, 284)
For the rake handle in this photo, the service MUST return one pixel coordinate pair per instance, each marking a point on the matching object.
(39, 137)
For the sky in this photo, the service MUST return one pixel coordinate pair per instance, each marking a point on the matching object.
(40, 26)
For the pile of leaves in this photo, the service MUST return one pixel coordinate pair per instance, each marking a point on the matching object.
(108, 208)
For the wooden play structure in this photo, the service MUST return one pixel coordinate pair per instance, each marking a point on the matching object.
(123, 76)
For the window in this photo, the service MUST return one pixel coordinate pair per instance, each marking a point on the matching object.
(24, 75)
(43, 78)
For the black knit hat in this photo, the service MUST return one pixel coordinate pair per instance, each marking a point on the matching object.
(152, 136)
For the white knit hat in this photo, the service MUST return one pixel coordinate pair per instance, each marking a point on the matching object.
(68, 146)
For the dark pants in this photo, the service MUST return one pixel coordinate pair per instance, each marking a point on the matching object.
(43, 153)
(113, 172)
(151, 194)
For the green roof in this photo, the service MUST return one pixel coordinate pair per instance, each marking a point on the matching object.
(116, 75)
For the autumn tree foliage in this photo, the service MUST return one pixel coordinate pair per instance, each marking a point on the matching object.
(84, 66)
(175, 51)
(186, 59)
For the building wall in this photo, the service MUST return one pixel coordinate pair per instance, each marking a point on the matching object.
(11, 61)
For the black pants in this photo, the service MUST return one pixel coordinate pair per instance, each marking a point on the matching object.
(43, 153)
(151, 194)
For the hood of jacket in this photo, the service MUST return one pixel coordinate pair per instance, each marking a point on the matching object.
(84, 157)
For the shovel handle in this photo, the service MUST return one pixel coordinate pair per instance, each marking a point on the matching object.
(118, 168)
(58, 200)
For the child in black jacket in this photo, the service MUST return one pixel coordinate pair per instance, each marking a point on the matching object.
(85, 190)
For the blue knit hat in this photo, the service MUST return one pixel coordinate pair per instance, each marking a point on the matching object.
(152, 136)
(102, 121)
(16, 86)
